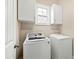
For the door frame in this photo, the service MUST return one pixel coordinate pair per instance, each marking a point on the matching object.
(13, 10)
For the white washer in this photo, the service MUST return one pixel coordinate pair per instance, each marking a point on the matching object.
(37, 47)
(61, 46)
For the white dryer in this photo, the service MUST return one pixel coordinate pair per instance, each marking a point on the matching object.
(61, 46)
(36, 46)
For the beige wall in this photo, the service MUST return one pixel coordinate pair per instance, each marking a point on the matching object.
(29, 27)
(68, 16)
(47, 2)
(17, 41)
(44, 29)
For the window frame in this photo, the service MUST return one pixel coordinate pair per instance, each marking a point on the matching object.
(42, 11)
(48, 14)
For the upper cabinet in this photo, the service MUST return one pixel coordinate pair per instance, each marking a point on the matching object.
(26, 10)
(56, 14)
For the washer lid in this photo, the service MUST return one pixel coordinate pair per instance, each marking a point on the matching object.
(59, 36)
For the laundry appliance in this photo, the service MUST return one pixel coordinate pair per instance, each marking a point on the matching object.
(36, 46)
(61, 46)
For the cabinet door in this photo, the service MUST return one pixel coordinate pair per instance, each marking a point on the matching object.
(26, 10)
(56, 14)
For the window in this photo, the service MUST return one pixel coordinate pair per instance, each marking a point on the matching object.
(42, 12)
(42, 16)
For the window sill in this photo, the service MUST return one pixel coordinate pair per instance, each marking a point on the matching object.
(43, 24)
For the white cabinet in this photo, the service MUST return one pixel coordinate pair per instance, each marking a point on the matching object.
(26, 10)
(56, 14)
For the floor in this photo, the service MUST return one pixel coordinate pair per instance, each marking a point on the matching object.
(20, 58)
(21, 55)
